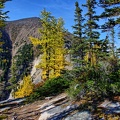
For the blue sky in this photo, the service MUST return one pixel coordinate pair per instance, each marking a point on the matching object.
(31, 8)
(59, 8)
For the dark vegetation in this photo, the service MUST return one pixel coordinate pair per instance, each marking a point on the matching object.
(5, 48)
(51, 87)
(5, 62)
(21, 65)
(5, 56)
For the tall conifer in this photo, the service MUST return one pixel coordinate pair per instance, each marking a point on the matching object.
(78, 41)
(3, 16)
(112, 12)
(91, 33)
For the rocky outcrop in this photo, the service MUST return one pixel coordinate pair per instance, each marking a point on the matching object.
(36, 73)
(52, 108)
(58, 107)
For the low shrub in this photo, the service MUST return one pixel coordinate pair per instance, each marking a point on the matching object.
(50, 87)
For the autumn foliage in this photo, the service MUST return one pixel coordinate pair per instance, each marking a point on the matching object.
(25, 89)
(52, 42)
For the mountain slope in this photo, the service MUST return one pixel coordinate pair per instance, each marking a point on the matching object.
(20, 31)
(22, 55)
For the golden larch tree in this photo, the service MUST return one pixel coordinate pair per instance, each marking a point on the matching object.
(52, 42)
(25, 88)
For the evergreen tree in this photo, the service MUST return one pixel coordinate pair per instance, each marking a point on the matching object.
(2, 14)
(52, 42)
(112, 12)
(102, 77)
(78, 41)
(111, 8)
(91, 33)
(2, 18)
(3, 52)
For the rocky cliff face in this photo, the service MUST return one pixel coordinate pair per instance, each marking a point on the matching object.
(21, 55)
(20, 31)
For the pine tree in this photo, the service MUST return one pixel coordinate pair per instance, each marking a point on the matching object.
(112, 12)
(91, 33)
(3, 15)
(52, 42)
(4, 64)
(78, 41)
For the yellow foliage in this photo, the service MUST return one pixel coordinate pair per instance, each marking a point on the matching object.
(1, 43)
(35, 41)
(4, 60)
(91, 55)
(52, 42)
(25, 89)
(1, 50)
